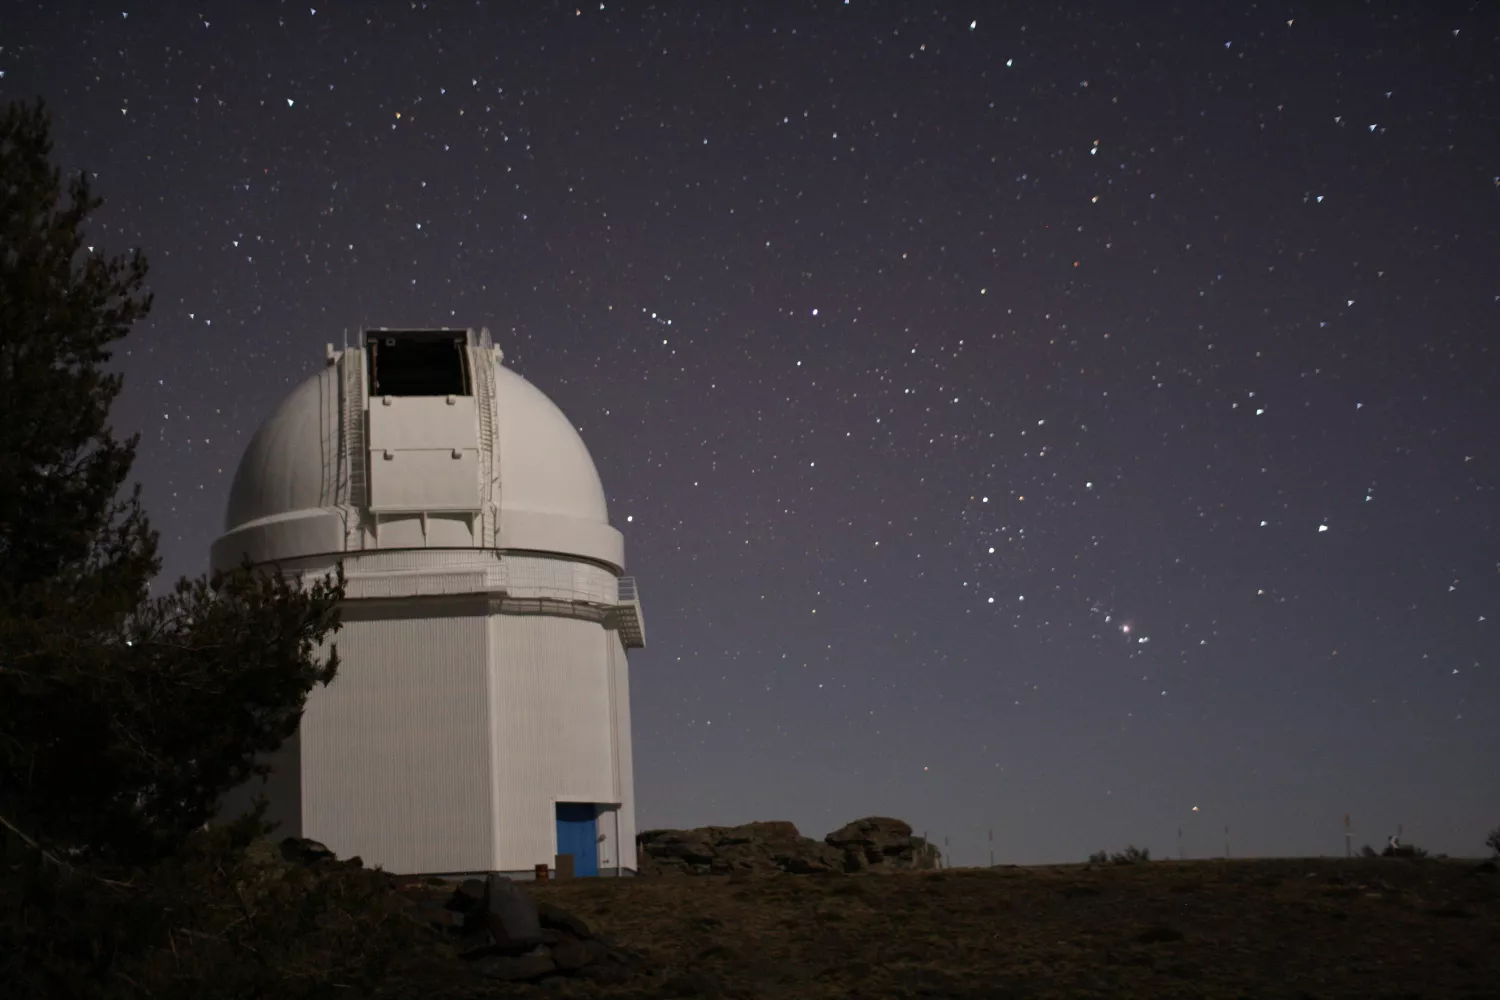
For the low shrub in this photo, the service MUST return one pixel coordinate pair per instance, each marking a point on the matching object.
(1131, 855)
(1404, 851)
(228, 916)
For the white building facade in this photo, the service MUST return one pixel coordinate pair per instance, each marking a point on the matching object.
(480, 719)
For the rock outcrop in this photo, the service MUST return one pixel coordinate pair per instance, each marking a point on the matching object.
(875, 843)
(504, 933)
(878, 843)
(493, 924)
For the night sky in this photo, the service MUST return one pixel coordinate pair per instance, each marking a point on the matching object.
(1041, 420)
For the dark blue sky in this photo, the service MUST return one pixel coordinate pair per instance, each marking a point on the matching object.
(1044, 420)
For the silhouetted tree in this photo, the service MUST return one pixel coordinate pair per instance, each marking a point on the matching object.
(1493, 841)
(123, 719)
(64, 530)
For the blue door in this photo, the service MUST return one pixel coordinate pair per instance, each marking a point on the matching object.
(577, 834)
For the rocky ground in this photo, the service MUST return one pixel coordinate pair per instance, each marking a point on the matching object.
(869, 926)
(1276, 928)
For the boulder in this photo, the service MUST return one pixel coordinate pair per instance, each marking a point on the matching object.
(747, 849)
(495, 926)
(513, 917)
(302, 851)
(605, 974)
(767, 831)
(516, 967)
(802, 864)
(688, 847)
(570, 954)
(558, 919)
(763, 848)
(509, 935)
(469, 895)
(882, 844)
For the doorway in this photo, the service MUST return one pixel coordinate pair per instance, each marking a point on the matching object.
(578, 835)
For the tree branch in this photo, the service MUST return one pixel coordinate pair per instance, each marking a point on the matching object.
(59, 862)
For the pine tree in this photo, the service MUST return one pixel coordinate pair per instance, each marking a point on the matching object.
(123, 719)
(62, 524)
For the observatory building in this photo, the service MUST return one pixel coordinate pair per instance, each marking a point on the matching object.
(480, 719)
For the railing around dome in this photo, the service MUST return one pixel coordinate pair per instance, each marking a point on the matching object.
(522, 586)
(627, 615)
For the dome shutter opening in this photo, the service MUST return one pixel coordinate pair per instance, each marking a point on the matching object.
(418, 363)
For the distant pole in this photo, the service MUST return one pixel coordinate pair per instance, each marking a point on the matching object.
(949, 863)
(1226, 843)
(1180, 855)
(1348, 838)
(992, 848)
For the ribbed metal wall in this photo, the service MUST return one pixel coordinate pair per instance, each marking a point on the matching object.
(619, 669)
(396, 751)
(565, 579)
(418, 559)
(553, 729)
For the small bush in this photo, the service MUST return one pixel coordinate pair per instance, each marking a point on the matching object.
(1493, 841)
(1368, 852)
(1404, 851)
(1131, 855)
(221, 918)
(1099, 858)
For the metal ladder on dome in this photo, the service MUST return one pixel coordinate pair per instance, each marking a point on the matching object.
(484, 389)
(352, 441)
(331, 450)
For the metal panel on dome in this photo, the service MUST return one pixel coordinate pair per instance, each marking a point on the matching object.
(424, 480)
(423, 422)
(424, 453)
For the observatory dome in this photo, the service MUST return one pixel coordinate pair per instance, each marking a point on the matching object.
(480, 721)
(328, 459)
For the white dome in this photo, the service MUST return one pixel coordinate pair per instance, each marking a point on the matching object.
(543, 461)
(332, 470)
(282, 469)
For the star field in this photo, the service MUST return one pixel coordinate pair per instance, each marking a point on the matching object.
(1050, 420)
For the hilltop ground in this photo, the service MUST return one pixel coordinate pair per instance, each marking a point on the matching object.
(1285, 928)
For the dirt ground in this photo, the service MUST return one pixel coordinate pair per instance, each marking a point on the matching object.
(1319, 928)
